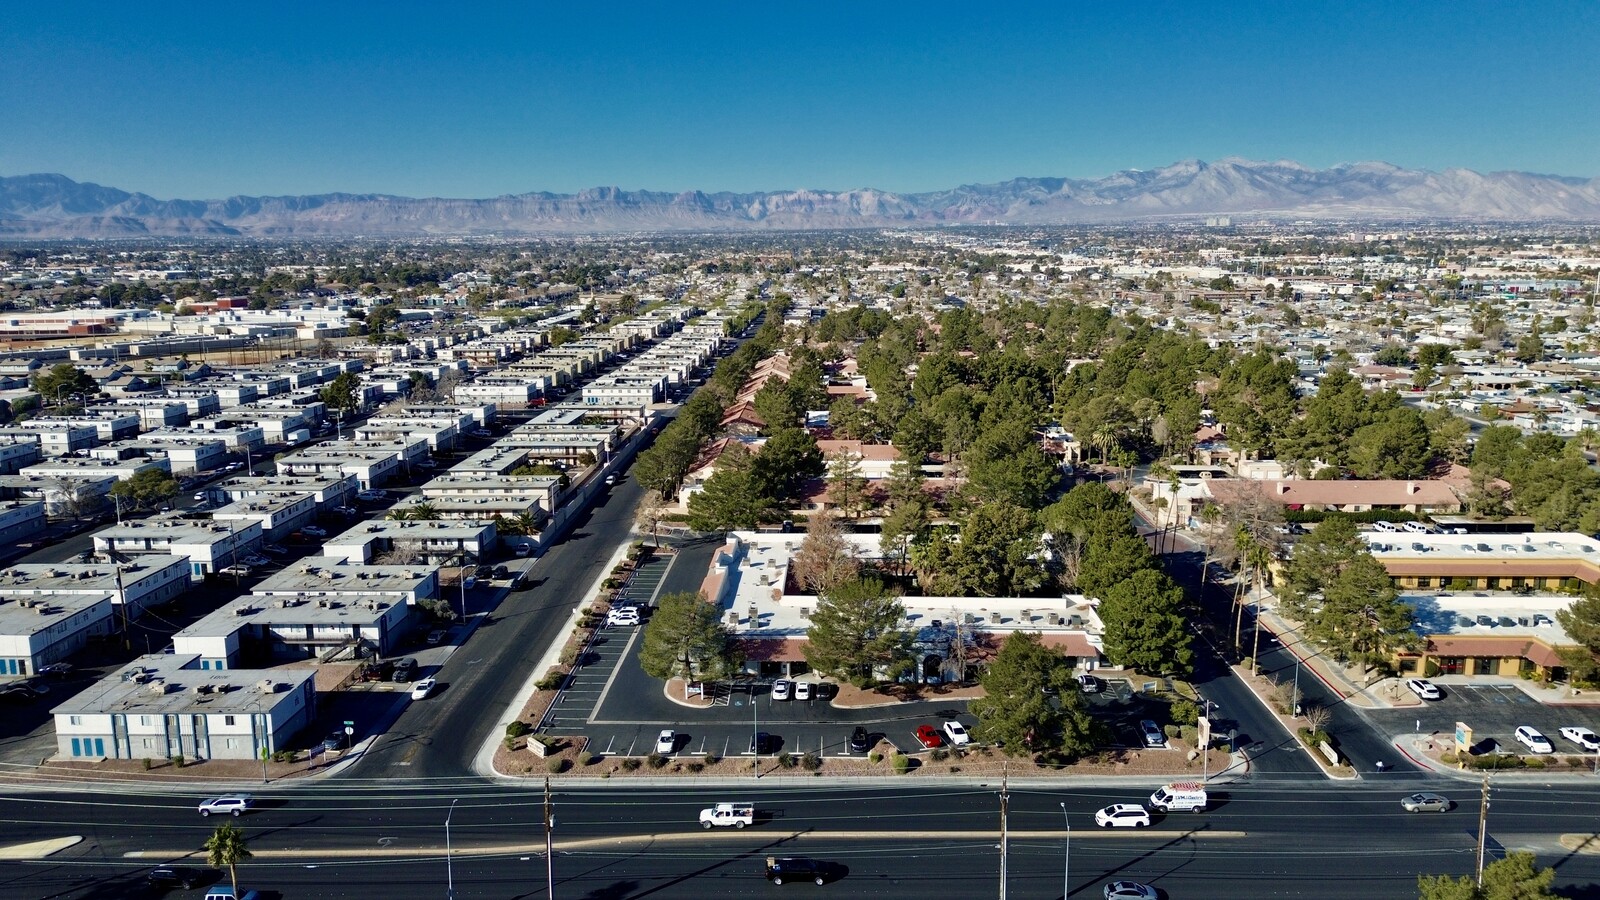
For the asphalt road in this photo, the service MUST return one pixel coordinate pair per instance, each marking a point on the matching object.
(1303, 839)
(438, 740)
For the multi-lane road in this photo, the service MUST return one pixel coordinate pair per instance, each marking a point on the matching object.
(1312, 840)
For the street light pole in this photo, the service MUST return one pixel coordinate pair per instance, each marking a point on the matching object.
(464, 569)
(1066, 856)
(449, 870)
(549, 844)
(755, 729)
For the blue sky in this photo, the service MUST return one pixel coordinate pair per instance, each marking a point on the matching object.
(205, 99)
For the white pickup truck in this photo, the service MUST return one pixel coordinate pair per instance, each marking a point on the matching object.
(724, 814)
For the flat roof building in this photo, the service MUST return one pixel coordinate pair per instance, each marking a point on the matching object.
(164, 705)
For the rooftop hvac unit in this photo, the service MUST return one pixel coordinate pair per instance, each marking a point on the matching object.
(1054, 618)
(242, 610)
(157, 686)
(733, 617)
(994, 618)
(41, 609)
(324, 604)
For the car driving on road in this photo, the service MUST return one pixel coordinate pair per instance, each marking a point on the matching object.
(1122, 815)
(1129, 890)
(227, 804)
(1425, 801)
(423, 688)
(796, 868)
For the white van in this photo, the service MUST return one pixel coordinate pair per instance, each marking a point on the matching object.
(1179, 797)
(1384, 526)
(1415, 527)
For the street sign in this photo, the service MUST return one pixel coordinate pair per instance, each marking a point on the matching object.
(348, 730)
(349, 724)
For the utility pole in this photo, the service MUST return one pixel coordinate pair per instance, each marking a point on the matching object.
(1005, 799)
(549, 844)
(1483, 827)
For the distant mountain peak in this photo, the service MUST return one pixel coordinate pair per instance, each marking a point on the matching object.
(50, 205)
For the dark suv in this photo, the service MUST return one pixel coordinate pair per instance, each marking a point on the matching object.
(858, 740)
(404, 670)
(173, 877)
(796, 868)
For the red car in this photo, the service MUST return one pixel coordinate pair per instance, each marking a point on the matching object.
(928, 736)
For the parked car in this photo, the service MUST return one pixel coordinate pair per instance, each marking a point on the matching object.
(802, 690)
(928, 737)
(523, 550)
(1089, 684)
(469, 582)
(372, 496)
(435, 637)
(1129, 890)
(19, 693)
(667, 742)
(199, 498)
(423, 688)
(762, 742)
(237, 571)
(781, 689)
(1152, 733)
(227, 804)
(1122, 815)
(1577, 734)
(313, 531)
(957, 733)
(611, 480)
(404, 670)
(1530, 737)
(501, 573)
(1424, 801)
(622, 617)
(275, 549)
(335, 740)
(62, 670)
(481, 433)
(796, 868)
(1424, 688)
(859, 741)
(254, 560)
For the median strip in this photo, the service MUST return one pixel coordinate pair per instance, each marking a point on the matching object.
(696, 837)
(38, 849)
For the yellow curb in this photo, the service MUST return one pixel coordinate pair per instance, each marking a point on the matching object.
(1586, 844)
(38, 849)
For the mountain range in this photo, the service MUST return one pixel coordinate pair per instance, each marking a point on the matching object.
(54, 206)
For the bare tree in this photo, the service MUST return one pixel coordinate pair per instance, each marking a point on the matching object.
(1316, 717)
(398, 556)
(653, 510)
(825, 558)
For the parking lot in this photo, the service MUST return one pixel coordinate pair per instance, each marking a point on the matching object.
(1493, 709)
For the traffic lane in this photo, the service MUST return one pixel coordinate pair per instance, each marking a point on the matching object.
(1272, 751)
(487, 672)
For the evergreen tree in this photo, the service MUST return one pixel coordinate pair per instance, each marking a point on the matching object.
(858, 630)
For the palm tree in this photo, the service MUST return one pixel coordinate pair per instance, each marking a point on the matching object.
(226, 847)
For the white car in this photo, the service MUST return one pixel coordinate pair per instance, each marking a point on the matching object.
(957, 733)
(667, 742)
(254, 560)
(1129, 890)
(1122, 815)
(802, 690)
(423, 688)
(780, 689)
(227, 804)
(621, 616)
(1581, 736)
(1424, 688)
(1529, 736)
(314, 531)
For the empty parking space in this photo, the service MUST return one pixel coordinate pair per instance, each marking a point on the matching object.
(1503, 694)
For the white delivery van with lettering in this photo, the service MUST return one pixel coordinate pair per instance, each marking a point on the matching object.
(1180, 796)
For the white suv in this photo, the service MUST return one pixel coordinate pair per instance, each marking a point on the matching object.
(1529, 736)
(228, 804)
(621, 616)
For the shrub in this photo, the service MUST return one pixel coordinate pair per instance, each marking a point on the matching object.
(695, 767)
(1495, 761)
(587, 759)
(1247, 662)
(631, 764)
(1190, 735)
(1533, 762)
(874, 757)
(1448, 758)
(1172, 731)
(1185, 712)
(556, 765)
(551, 681)
(147, 763)
(901, 763)
(711, 759)
(656, 760)
(811, 762)
(938, 754)
(177, 761)
(517, 729)
(569, 654)
(785, 759)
